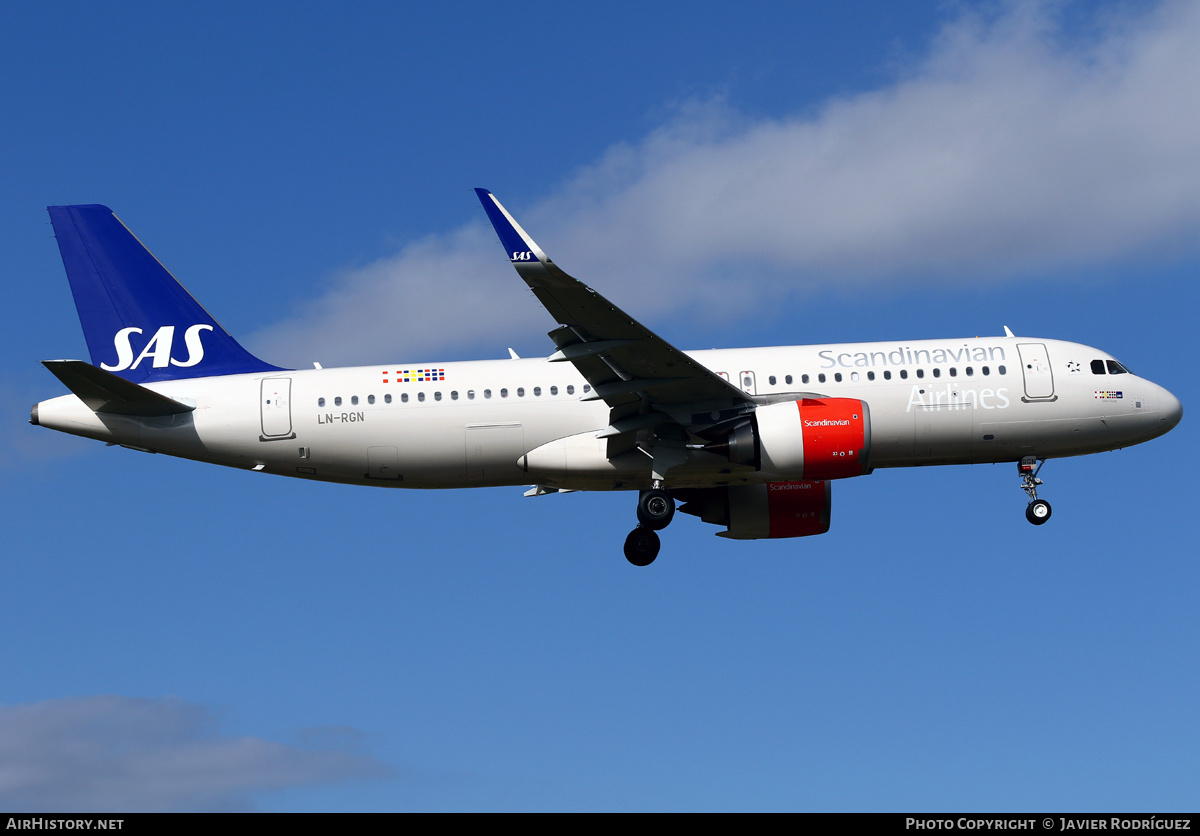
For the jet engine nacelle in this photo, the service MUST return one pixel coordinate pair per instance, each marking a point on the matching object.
(814, 438)
(770, 510)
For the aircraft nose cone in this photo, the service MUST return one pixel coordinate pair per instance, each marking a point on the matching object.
(1172, 411)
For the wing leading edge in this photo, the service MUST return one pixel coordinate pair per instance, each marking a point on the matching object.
(636, 372)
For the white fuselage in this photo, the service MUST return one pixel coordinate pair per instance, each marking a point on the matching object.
(470, 424)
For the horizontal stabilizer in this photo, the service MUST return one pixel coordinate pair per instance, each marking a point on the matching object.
(105, 392)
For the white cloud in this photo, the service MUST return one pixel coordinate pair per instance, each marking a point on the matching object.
(113, 753)
(1009, 149)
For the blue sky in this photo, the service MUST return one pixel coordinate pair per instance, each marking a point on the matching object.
(179, 636)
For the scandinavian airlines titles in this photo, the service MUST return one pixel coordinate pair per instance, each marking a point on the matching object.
(906, 356)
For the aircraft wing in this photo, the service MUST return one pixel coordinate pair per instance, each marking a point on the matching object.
(628, 366)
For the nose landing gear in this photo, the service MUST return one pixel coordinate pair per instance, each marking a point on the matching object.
(1038, 510)
(656, 509)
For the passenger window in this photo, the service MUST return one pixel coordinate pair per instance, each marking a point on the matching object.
(804, 379)
(904, 374)
(771, 380)
(504, 393)
(837, 376)
(437, 396)
(537, 391)
(370, 399)
(887, 375)
(387, 398)
(586, 388)
(520, 391)
(921, 373)
(470, 394)
(553, 390)
(788, 380)
(404, 397)
(354, 400)
(953, 372)
(570, 389)
(1001, 370)
(986, 371)
(870, 375)
(821, 377)
(854, 376)
(937, 372)
(421, 396)
(454, 395)
(487, 393)
(1097, 367)
(970, 371)
(337, 401)
(320, 401)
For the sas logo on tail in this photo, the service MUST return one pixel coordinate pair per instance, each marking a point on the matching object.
(158, 349)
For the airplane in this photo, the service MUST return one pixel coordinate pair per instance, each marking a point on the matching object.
(749, 439)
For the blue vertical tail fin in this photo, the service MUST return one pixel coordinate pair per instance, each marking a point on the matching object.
(139, 322)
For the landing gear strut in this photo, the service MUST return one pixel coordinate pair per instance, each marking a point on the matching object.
(656, 508)
(1038, 510)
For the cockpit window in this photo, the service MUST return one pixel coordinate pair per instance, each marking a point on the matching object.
(1116, 368)
(1097, 367)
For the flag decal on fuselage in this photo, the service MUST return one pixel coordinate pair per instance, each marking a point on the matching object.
(413, 375)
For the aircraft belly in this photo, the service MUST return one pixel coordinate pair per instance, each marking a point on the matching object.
(1123, 430)
(444, 446)
(175, 435)
(892, 433)
(1042, 437)
(387, 447)
(943, 432)
(492, 451)
(383, 463)
(433, 454)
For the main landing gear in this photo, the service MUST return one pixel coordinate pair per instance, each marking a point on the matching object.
(1038, 510)
(641, 546)
(655, 510)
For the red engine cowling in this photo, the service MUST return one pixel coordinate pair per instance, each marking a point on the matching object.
(770, 510)
(814, 438)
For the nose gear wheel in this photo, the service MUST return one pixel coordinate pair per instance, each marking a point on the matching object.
(1038, 510)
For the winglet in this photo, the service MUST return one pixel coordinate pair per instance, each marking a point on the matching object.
(521, 248)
